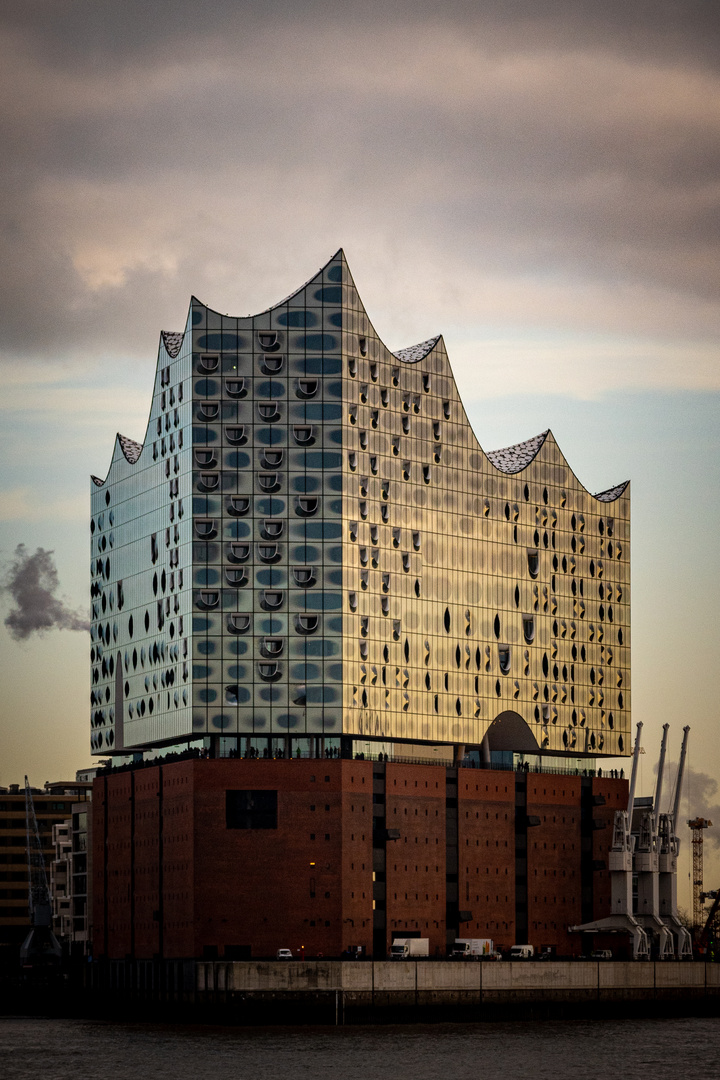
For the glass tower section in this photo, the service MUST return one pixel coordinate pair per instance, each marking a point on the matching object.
(311, 545)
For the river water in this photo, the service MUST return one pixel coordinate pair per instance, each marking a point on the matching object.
(682, 1049)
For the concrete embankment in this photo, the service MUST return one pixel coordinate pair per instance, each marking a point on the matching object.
(357, 992)
(336, 992)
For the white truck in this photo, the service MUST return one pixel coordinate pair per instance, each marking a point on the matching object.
(409, 948)
(522, 952)
(472, 948)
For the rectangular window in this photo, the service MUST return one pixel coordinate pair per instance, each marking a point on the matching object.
(251, 809)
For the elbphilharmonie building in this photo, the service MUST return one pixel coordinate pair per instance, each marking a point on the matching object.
(311, 554)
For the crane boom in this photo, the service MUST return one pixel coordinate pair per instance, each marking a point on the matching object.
(680, 776)
(38, 889)
(633, 775)
(661, 770)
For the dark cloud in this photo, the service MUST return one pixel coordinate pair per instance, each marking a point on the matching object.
(153, 151)
(32, 582)
(91, 31)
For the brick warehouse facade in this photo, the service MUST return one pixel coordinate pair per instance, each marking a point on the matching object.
(236, 858)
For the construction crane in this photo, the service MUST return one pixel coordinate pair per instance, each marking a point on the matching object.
(669, 849)
(708, 934)
(620, 865)
(646, 867)
(40, 947)
(650, 857)
(698, 826)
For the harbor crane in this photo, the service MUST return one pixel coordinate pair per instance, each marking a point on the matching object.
(40, 947)
(709, 931)
(669, 844)
(620, 865)
(650, 854)
(698, 826)
(646, 864)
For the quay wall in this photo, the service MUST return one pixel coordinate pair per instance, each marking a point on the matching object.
(346, 992)
(391, 990)
(411, 976)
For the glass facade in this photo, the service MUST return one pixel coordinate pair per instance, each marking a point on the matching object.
(310, 544)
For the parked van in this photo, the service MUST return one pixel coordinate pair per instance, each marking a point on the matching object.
(522, 952)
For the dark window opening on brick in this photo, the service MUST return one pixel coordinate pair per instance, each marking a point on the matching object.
(251, 809)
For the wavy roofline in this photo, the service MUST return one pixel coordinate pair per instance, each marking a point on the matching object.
(305, 284)
(526, 451)
(612, 494)
(172, 347)
(411, 354)
(264, 311)
(131, 448)
(127, 448)
(547, 435)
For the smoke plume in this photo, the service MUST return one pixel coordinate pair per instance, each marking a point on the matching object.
(32, 582)
(703, 801)
(700, 798)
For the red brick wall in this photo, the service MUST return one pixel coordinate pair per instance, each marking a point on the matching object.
(415, 805)
(357, 854)
(254, 887)
(118, 849)
(554, 853)
(236, 887)
(486, 854)
(178, 874)
(147, 860)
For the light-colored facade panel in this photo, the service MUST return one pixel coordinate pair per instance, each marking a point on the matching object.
(312, 544)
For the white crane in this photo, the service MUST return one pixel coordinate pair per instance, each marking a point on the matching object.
(646, 866)
(669, 846)
(620, 865)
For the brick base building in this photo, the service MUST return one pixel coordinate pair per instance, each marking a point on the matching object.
(236, 858)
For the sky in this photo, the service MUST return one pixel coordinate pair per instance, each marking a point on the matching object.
(538, 182)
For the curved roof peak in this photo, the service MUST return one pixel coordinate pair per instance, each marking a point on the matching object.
(339, 256)
(131, 449)
(611, 494)
(512, 459)
(413, 353)
(172, 340)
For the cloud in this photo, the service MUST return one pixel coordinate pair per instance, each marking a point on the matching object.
(704, 801)
(581, 367)
(700, 797)
(32, 582)
(25, 504)
(527, 173)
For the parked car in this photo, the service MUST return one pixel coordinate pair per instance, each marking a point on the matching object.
(601, 954)
(284, 954)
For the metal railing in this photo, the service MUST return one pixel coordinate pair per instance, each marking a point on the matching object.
(536, 769)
